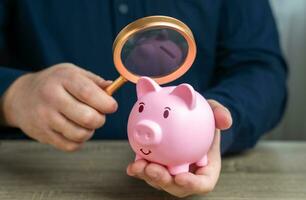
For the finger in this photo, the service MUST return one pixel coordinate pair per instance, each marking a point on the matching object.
(214, 151)
(206, 177)
(160, 177)
(222, 115)
(137, 168)
(86, 91)
(98, 80)
(69, 129)
(105, 84)
(195, 184)
(214, 158)
(213, 169)
(59, 142)
(157, 176)
(79, 113)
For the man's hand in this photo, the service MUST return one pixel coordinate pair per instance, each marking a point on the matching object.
(61, 105)
(200, 180)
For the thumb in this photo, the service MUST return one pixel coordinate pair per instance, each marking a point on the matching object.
(214, 157)
(105, 84)
(223, 118)
(215, 147)
(98, 80)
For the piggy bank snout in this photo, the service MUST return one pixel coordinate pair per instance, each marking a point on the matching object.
(147, 132)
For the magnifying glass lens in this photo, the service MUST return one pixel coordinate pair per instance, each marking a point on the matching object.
(154, 52)
(159, 47)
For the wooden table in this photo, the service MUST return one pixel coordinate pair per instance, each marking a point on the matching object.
(28, 170)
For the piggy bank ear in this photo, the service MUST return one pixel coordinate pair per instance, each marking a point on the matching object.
(146, 85)
(186, 93)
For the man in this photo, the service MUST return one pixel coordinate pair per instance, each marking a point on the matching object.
(239, 67)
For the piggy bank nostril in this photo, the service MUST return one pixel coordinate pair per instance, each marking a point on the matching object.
(144, 135)
(147, 136)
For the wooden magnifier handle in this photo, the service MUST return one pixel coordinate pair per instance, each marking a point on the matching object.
(115, 85)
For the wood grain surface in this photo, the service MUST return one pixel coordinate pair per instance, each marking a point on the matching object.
(28, 170)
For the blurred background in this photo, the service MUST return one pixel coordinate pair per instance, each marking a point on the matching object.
(291, 20)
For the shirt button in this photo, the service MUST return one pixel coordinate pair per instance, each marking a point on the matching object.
(123, 8)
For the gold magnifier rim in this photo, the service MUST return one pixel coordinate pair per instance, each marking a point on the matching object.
(154, 22)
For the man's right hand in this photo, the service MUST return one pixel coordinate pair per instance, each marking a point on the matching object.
(61, 105)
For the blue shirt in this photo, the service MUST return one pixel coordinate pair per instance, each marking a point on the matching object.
(239, 61)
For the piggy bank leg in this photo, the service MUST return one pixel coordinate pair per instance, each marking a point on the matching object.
(202, 162)
(137, 157)
(174, 170)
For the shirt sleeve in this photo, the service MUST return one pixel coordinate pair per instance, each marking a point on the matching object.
(250, 77)
(7, 74)
(7, 77)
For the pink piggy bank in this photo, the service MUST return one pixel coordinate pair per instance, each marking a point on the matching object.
(171, 126)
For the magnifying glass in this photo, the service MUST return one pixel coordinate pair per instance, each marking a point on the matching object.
(159, 47)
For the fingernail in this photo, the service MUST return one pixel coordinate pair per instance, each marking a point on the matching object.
(129, 172)
(102, 81)
(108, 82)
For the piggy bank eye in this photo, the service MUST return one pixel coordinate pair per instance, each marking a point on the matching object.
(140, 108)
(166, 112)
